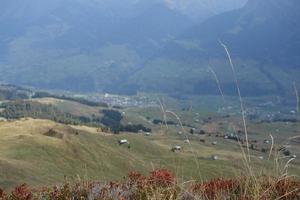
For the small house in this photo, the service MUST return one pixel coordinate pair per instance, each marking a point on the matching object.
(147, 134)
(293, 156)
(267, 141)
(214, 157)
(261, 157)
(2, 119)
(192, 131)
(123, 141)
(176, 148)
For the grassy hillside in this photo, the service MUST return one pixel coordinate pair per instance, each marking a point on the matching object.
(71, 107)
(42, 152)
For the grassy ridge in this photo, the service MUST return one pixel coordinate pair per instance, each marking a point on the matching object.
(42, 152)
(28, 155)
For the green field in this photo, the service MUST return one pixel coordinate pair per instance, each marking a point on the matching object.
(27, 155)
(42, 152)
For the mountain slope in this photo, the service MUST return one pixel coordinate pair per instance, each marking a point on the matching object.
(201, 10)
(269, 29)
(263, 38)
(151, 29)
(91, 45)
(41, 152)
(81, 46)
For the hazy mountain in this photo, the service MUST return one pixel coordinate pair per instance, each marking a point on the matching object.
(263, 38)
(151, 30)
(54, 44)
(102, 45)
(262, 29)
(97, 18)
(202, 9)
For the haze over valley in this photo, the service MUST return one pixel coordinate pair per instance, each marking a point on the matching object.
(149, 99)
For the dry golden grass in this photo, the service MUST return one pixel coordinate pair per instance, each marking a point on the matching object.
(71, 107)
(92, 130)
(29, 153)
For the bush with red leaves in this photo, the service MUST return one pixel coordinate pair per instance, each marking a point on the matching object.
(288, 189)
(137, 179)
(2, 194)
(161, 184)
(243, 189)
(21, 193)
(161, 178)
(216, 188)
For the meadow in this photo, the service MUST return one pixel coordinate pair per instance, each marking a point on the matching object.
(43, 153)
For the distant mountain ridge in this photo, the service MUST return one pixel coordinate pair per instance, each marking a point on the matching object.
(199, 10)
(261, 28)
(156, 46)
(84, 45)
(263, 38)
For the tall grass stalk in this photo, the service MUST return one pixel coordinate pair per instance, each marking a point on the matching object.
(297, 103)
(163, 113)
(218, 83)
(272, 146)
(187, 138)
(297, 98)
(285, 169)
(240, 98)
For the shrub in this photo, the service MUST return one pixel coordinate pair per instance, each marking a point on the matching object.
(247, 188)
(113, 114)
(136, 179)
(21, 193)
(2, 194)
(135, 128)
(216, 189)
(161, 184)
(157, 121)
(162, 178)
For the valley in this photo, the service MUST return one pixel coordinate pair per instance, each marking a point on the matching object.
(149, 99)
(41, 150)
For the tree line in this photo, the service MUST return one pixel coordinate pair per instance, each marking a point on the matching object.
(111, 119)
(75, 99)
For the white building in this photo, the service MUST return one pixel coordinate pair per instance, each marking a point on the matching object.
(123, 141)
